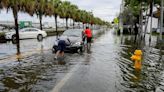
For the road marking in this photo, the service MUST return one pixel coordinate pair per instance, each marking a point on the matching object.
(58, 87)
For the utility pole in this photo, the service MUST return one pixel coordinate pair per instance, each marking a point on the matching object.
(161, 29)
(152, 4)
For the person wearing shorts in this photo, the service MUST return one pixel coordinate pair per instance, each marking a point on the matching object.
(62, 46)
(89, 39)
(88, 34)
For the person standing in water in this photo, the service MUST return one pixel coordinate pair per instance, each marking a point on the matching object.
(88, 34)
(62, 43)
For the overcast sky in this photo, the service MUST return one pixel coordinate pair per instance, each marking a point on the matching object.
(105, 9)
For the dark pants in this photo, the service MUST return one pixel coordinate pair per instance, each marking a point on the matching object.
(89, 39)
(61, 45)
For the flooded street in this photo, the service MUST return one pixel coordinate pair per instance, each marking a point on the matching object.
(29, 45)
(107, 68)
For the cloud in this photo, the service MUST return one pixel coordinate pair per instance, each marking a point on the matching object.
(105, 9)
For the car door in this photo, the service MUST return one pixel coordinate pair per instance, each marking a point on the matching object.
(33, 33)
(24, 33)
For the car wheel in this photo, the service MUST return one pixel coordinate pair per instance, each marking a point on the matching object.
(54, 50)
(14, 38)
(82, 49)
(78, 50)
(40, 37)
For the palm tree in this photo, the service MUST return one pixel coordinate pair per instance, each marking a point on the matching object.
(65, 11)
(82, 17)
(40, 10)
(48, 11)
(74, 13)
(1, 4)
(90, 18)
(56, 4)
(14, 6)
(28, 6)
(4, 3)
(77, 18)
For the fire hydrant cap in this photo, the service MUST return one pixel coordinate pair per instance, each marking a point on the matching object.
(138, 52)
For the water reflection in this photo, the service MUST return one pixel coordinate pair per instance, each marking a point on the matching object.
(87, 59)
(31, 74)
(61, 61)
(152, 64)
(136, 78)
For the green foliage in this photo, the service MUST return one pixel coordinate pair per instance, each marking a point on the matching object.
(65, 9)
(133, 8)
(2, 33)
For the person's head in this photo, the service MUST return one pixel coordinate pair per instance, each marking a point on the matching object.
(87, 27)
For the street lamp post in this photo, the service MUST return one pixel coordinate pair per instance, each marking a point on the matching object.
(141, 29)
(152, 3)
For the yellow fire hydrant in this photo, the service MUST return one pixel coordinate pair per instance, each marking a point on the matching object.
(137, 59)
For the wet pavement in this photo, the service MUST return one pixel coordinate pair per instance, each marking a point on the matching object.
(29, 45)
(106, 68)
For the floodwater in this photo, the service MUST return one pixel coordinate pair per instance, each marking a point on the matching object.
(106, 68)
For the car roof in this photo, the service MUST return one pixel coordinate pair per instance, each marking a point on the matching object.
(75, 29)
(29, 28)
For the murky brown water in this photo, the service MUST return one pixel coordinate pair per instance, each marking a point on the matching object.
(107, 68)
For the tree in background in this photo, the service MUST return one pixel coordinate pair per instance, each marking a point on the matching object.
(40, 10)
(56, 4)
(65, 11)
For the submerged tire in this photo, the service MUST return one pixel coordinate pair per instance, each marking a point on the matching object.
(40, 37)
(14, 38)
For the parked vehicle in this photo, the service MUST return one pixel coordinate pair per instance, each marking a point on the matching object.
(27, 33)
(75, 37)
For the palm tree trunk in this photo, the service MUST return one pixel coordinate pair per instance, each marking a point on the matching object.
(66, 23)
(56, 25)
(15, 13)
(73, 24)
(92, 26)
(40, 20)
(79, 25)
(83, 25)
